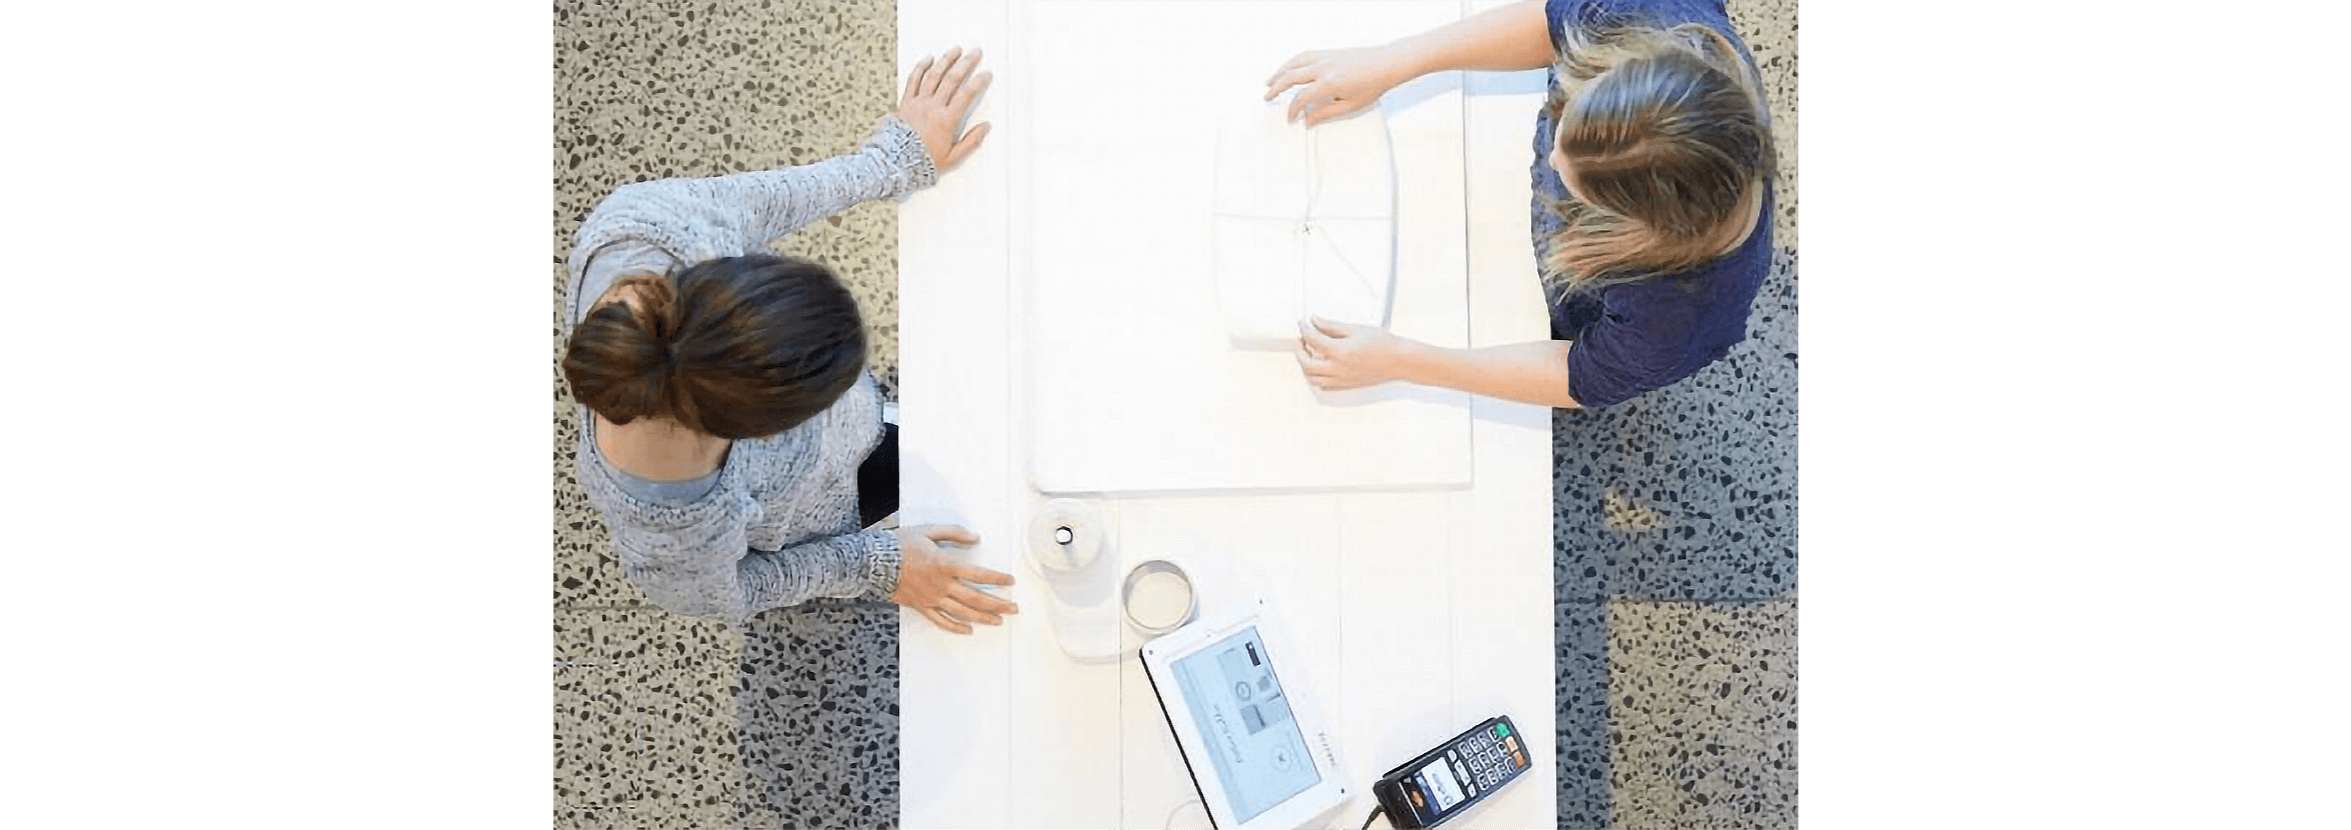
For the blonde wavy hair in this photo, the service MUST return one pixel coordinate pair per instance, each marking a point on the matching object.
(1667, 134)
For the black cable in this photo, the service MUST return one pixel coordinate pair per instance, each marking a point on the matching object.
(1376, 810)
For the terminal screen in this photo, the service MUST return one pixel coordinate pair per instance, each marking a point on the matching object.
(1243, 715)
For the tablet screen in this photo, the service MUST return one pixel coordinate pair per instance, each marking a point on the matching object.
(1244, 718)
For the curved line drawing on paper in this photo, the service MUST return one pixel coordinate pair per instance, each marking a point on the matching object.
(1304, 223)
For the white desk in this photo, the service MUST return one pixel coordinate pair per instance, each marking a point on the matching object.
(1000, 729)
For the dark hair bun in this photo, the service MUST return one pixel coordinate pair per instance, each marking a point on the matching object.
(739, 347)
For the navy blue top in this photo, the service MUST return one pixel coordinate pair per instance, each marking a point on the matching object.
(1634, 337)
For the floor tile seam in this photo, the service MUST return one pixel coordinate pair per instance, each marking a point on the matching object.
(643, 664)
(638, 662)
(568, 608)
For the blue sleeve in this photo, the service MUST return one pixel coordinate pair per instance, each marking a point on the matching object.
(1565, 14)
(1615, 358)
(1585, 14)
(1598, 13)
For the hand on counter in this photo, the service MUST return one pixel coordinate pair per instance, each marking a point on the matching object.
(940, 588)
(1340, 356)
(939, 93)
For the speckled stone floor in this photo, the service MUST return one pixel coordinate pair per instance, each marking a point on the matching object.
(1675, 542)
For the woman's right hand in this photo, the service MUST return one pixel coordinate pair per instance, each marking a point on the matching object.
(936, 586)
(939, 93)
(1336, 83)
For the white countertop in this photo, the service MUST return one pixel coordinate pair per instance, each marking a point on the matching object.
(1419, 612)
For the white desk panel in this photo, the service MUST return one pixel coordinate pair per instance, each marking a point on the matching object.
(1498, 562)
(953, 448)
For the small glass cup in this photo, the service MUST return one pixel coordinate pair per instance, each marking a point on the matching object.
(1158, 616)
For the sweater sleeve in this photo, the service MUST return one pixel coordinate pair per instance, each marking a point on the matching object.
(728, 215)
(864, 563)
(654, 226)
(680, 575)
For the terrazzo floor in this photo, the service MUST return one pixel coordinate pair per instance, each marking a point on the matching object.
(1675, 548)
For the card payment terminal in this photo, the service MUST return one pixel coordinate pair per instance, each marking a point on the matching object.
(1447, 781)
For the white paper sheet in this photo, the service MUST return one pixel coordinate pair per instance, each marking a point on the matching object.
(1305, 223)
(1131, 381)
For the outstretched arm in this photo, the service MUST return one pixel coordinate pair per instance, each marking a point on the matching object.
(727, 215)
(1336, 83)
(1504, 39)
(1338, 356)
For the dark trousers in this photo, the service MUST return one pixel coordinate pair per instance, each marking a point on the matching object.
(877, 480)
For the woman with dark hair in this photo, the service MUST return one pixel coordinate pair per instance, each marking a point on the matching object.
(1652, 183)
(729, 433)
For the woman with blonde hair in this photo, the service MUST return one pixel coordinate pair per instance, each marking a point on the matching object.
(1652, 195)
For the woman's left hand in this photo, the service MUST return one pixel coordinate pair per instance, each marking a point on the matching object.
(1340, 356)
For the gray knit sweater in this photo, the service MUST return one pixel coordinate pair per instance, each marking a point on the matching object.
(781, 525)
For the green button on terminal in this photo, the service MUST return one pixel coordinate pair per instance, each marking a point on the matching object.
(1502, 729)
